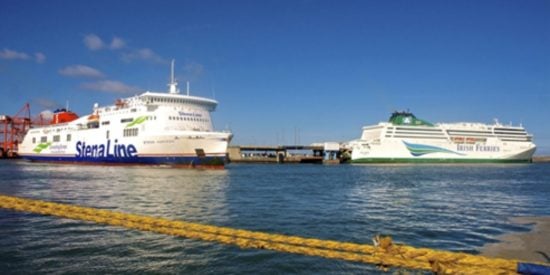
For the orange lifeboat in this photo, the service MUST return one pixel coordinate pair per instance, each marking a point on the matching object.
(93, 117)
(63, 116)
(119, 103)
(93, 121)
(458, 139)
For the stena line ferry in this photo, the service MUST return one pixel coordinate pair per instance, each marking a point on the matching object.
(152, 128)
(406, 138)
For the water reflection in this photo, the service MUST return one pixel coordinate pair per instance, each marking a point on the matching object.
(456, 207)
(197, 195)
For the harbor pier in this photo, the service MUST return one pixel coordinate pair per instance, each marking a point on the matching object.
(327, 153)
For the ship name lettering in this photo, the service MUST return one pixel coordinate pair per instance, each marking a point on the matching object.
(464, 147)
(107, 150)
(487, 148)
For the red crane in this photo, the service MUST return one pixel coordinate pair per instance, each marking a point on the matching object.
(12, 131)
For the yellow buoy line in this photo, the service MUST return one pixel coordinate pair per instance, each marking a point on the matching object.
(384, 253)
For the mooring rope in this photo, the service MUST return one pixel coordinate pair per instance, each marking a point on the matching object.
(384, 253)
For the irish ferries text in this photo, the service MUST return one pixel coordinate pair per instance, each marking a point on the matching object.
(107, 150)
(477, 148)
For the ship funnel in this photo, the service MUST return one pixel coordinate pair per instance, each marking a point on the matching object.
(173, 84)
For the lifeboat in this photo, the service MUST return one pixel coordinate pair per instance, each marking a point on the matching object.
(119, 103)
(458, 139)
(93, 121)
(63, 116)
(93, 117)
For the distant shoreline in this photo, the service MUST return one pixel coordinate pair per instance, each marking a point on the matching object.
(532, 246)
(539, 159)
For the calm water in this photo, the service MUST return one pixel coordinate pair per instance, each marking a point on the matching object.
(452, 207)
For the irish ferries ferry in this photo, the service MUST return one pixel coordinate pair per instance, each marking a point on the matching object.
(151, 128)
(406, 138)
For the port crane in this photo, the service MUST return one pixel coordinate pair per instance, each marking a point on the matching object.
(12, 131)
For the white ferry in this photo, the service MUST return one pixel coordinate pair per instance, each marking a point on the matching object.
(406, 138)
(152, 128)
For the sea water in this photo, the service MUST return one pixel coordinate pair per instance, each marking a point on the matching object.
(448, 207)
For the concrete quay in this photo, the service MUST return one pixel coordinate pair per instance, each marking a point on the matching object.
(328, 153)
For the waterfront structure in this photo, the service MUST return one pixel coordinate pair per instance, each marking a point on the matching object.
(405, 138)
(150, 128)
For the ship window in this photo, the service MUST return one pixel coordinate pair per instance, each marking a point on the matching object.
(68, 137)
(107, 134)
(133, 110)
(130, 132)
(56, 138)
(93, 124)
(33, 140)
(105, 122)
(43, 139)
(124, 120)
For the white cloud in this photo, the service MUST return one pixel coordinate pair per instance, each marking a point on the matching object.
(109, 86)
(11, 54)
(145, 54)
(93, 42)
(40, 57)
(15, 55)
(117, 43)
(80, 71)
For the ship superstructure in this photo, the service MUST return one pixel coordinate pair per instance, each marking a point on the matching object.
(405, 138)
(150, 128)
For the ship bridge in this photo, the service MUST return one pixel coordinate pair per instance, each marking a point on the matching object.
(163, 98)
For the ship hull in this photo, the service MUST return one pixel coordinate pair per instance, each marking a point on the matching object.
(426, 152)
(179, 161)
(197, 149)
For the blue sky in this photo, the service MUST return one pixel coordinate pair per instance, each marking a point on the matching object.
(286, 71)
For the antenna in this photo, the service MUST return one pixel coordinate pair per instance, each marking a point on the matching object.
(172, 71)
(173, 84)
(187, 87)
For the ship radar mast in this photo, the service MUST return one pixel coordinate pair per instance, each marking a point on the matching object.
(173, 84)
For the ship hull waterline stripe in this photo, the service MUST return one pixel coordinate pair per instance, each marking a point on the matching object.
(168, 160)
(437, 160)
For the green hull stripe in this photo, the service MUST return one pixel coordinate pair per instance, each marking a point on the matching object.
(436, 160)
